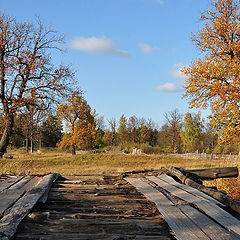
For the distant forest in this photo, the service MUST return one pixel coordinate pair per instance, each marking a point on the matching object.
(179, 134)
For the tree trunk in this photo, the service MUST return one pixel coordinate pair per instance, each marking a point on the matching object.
(221, 197)
(31, 146)
(26, 144)
(6, 136)
(213, 173)
(74, 150)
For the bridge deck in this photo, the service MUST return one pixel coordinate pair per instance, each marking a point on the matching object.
(110, 207)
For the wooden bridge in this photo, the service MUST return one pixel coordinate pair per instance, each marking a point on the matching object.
(112, 206)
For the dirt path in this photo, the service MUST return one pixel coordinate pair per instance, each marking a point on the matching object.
(94, 207)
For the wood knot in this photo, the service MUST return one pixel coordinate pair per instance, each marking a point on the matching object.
(185, 177)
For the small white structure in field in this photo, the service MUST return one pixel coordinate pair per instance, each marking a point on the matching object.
(137, 151)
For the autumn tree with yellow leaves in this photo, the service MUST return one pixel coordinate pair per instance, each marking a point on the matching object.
(79, 122)
(214, 79)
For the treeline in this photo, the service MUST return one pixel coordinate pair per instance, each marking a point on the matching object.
(179, 134)
(33, 133)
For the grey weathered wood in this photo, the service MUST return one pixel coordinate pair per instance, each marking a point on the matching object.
(211, 228)
(21, 183)
(180, 224)
(22, 207)
(8, 198)
(53, 178)
(9, 182)
(212, 210)
(189, 189)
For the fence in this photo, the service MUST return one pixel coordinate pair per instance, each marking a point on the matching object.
(207, 156)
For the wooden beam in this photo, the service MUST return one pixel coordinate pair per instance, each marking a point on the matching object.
(22, 207)
(9, 182)
(53, 178)
(8, 198)
(20, 184)
(212, 210)
(180, 224)
(221, 197)
(213, 173)
(211, 228)
(189, 189)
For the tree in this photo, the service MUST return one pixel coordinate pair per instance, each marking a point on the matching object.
(173, 127)
(214, 79)
(33, 117)
(80, 123)
(51, 131)
(112, 131)
(144, 135)
(133, 129)
(122, 129)
(209, 137)
(152, 127)
(100, 127)
(191, 133)
(108, 138)
(27, 75)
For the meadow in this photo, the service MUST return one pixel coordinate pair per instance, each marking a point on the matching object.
(66, 164)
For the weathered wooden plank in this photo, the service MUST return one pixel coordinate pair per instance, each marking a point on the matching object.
(9, 182)
(180, 224)
(22, 207)
(21, 183)
(8, 198)
(212, 210)
(189, 189)
(211, 228)
(53, 178)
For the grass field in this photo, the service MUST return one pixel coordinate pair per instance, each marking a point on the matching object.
(66, 164)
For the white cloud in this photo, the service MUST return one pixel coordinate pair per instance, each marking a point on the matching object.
(146, 48)
(177, 73)
(97, 45)
(169, 87)
(159, 1)
(179, 76)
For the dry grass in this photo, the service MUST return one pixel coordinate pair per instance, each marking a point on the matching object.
(66, 164)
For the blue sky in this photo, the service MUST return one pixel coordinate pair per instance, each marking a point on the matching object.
(127, 53)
